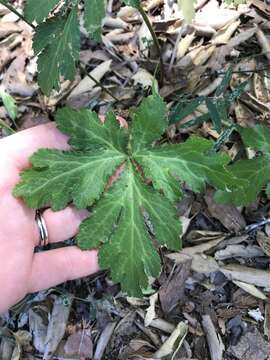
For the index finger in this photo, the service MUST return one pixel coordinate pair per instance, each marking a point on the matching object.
(19, 147)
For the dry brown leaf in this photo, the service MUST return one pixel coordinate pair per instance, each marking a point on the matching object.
(224, 35)
(260, 88)
(150, 311)
(264, 242)
(172, 290)
(8, 28)
(173, 342)
(215, 16)
(251, 289)
(79, 345)
(184, 45)
(57, 326)
(87, 84)
(206, 246)
(264, 42)
(234, 251)
(266, 325)
(250, 346)
(246, 274)
(228, 215)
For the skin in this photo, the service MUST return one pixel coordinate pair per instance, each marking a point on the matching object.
(22, 270)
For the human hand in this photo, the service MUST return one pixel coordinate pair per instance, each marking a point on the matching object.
(22, 270)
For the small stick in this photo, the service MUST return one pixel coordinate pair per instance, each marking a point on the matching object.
(215, 344)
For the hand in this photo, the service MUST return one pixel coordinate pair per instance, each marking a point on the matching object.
(22, 270)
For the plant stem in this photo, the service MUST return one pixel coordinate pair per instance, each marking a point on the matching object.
(97, 82)
(155, 39)
(5, 126)
(12, 9)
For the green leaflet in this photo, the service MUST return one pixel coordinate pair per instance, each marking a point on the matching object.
(134, 3)
(94, 13)
(9, 104)
(57, 40)
(190, 162)
(118, 223)
(130, 218)
(61, 177)
(38, 10)
(256, 171)
(60, 53)
(87, 132)
(148, 122)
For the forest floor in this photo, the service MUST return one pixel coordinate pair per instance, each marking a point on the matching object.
(211, 300)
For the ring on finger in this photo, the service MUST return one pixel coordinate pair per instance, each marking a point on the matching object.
(42, 229)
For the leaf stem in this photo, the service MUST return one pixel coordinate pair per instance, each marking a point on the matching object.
(5, 126)
(155, 39)
(97, 82)
(12, 9)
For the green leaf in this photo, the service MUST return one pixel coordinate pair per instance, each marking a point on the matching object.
(134, 3)
(183, 108)
(87, 132)
(57, 178)
(190, 162)
(38, 10)
(117, 226)
(47, 33)
(61, 46)
(256, 171)
(9, 104)
(94, 13)
(149, 122)
(212, 106)
(224, 83)
(130, 219)
(257, 138)
(188, 9)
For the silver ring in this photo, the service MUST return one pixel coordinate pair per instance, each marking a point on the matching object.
(42, 228)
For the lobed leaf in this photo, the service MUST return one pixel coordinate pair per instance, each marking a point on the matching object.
(191, 162)
(117, 226)
(87, 132)
(256, 171)
(94, 13)
(149, 122)
(60, 39)
(38, 10)
(57, 177)
(130, 219)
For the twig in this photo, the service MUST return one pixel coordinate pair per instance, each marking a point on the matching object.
(12, 9)
(215, 344)
(252, 227)
(155, 39)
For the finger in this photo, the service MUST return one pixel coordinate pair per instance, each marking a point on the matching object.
(54, 267)
(62, 225)
(22, 145)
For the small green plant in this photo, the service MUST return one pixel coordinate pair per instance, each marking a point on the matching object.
(256, 171)
(130, 215)
(58, 19)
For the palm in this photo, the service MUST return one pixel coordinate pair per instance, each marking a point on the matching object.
(23, 271)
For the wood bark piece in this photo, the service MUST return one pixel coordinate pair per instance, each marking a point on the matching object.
(215, 344)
